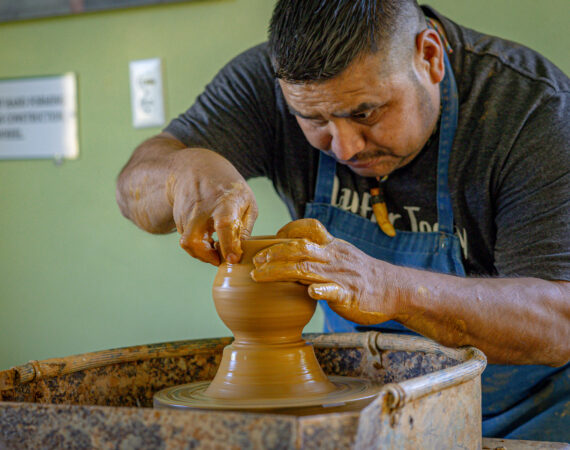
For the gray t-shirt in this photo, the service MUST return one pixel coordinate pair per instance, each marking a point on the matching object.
(509, 172)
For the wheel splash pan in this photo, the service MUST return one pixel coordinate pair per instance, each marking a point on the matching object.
(431, 398)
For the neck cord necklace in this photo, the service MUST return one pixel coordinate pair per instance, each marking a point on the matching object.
(379, 208)
(378, 201)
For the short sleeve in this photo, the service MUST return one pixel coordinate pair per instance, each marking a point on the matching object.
(533, 196)
(235, 114)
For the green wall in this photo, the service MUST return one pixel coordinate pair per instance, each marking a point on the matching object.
(75, 276)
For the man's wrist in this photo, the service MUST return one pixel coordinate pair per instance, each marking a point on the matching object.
(389, 282)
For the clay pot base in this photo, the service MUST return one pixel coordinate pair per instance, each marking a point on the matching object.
(350, 394)
(268, 367)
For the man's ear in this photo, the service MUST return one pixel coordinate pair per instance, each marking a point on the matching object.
(429, 57)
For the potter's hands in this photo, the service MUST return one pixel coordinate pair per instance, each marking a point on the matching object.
(349, 280)
(166, 185)
(209, 195)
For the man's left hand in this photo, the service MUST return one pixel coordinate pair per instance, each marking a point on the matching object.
(349, 280)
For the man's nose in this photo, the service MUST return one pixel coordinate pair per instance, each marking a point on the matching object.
(346, 139)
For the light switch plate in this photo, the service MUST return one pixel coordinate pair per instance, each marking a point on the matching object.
(147, 101)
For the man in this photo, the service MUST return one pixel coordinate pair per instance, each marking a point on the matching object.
(465, 137)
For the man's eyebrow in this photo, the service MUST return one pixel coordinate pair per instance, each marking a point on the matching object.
(300, 114)
(366, 106)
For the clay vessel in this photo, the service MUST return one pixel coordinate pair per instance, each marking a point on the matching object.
(268, 358)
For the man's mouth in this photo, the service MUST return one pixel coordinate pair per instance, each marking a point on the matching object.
(362, 164)
(367, 160)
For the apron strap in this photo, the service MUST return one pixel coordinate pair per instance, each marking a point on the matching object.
(450, 107)
(325, 179)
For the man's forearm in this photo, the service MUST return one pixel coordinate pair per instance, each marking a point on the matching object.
(143, 184)
(512, 320)
(198, 192)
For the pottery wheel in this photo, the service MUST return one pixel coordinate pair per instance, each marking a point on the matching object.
(351, 394)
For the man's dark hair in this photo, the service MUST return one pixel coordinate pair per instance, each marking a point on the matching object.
(315, 40)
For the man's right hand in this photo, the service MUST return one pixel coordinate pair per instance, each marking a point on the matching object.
(209, 195)
(196, 190)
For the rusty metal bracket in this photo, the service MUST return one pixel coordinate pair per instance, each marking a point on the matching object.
(374, 353)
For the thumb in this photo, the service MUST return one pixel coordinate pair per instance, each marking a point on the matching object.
(310, 229)
(200, 246)
(331, 292)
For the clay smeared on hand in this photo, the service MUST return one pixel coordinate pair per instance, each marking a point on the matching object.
(335, 271)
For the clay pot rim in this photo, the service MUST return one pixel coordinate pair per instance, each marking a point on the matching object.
(254, 244)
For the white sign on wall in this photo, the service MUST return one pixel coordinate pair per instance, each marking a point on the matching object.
(38, 117)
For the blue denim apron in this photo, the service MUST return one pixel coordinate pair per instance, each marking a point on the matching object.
(519, 402)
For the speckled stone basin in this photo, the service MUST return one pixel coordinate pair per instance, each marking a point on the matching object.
(430, 399)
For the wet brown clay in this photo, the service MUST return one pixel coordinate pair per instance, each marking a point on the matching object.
(268, 358)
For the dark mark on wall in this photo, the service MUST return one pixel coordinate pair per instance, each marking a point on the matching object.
(32, 9)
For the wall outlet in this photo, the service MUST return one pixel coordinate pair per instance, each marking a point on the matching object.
(147, 102)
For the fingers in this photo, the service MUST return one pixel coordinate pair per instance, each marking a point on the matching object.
(229, 234)
(299, 259)
(233, 223)
(231, 214)
(302, 272)
(295, 250)
(248, 220)
(330, 292)
(343, 303)
(310, 229)
(196, 231)
(198, 242)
